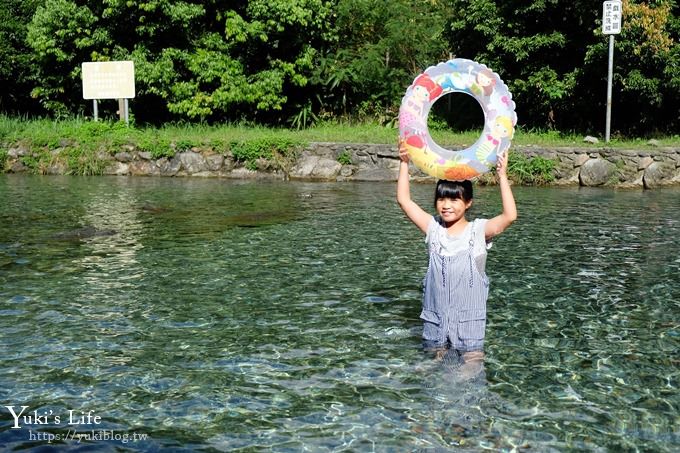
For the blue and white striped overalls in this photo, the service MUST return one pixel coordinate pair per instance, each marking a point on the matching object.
(454, 299)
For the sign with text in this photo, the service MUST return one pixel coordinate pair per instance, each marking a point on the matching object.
(109, 80)
(611, 17)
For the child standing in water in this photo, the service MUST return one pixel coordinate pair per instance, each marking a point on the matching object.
(456, 286)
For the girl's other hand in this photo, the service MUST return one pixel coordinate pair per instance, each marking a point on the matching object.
(403, 154)
(502, 165)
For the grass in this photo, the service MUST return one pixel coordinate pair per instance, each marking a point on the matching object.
(45, 132)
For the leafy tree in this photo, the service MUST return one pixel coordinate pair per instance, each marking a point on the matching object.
(196, 60)
(278, 61)
(553, 56)
(62, 35)
(380, 47)
(16, 58)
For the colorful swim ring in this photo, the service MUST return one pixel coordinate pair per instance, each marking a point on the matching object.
(462, 76)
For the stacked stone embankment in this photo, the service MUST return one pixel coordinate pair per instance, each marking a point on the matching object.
(649, 168)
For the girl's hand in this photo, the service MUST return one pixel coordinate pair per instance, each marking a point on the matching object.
(403, 154)
(502, 165)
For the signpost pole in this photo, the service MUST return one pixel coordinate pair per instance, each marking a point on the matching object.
(95, 107)
(610, 74)
(121, 109)
(611, 25)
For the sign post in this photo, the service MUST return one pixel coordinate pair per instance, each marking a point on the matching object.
(611, 25)
(109, 80)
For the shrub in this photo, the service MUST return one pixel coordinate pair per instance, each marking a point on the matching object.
(535, 170)
(345, 158)
(3, 159)
(277, 149)
(158, 147)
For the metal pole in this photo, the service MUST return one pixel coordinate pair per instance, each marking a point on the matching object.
(121, 110)
(127, 117)
(609, 88)
(96, 109)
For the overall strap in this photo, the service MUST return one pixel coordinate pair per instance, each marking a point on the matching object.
(471, 250)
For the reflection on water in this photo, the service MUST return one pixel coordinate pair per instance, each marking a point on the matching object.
(267, 315)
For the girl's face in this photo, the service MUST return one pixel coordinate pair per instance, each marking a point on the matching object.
(452, 210)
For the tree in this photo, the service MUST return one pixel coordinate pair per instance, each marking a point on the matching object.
(553, 57)
(62, 35)
(16, 57)
(380, 47)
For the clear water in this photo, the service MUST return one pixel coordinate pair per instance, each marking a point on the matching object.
(229, 315)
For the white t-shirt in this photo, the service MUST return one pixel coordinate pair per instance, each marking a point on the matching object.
(453, 244)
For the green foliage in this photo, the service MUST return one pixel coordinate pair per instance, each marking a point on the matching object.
(3, 159)
(381, 46)
(553, 56)
(31, 161)
(531, 170)
(304, 118)
(345, 158)
(269, 148)
(17, 64)
(156, 145)
(302, 62)
(83, 161)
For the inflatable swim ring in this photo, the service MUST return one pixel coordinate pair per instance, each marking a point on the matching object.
(462, 76)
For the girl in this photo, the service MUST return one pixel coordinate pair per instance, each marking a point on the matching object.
(456, 286)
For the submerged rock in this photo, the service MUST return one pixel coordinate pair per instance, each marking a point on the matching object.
(83, 233)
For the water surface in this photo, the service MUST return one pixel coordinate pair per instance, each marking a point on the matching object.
(216, 315)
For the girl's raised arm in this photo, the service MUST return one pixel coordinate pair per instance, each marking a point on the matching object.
(498, 224)
(414, 212)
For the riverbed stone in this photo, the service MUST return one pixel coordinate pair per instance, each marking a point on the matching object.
(57, 167)
(193, 162)
(214, 162)
(658, 174)
(117, 168)
(169, 167)
(596, 172)
(347, 170)
(123, 157)
(309, 166)
(144, 168)
(644, 162)
(566, 175)
(17, 152)
(580, 159)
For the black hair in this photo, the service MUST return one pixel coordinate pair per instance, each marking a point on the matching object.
(453, 190)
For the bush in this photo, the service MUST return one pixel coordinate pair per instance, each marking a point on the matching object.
(535, 170)
(3, 159)
(345, 158)
(275, 149)
(157, 146)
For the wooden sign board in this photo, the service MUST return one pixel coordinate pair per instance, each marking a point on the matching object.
(109, 80)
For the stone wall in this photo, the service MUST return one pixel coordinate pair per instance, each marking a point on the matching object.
(574, 166)
(652, 168)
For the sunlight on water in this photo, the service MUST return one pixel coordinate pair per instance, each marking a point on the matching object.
(213, 314)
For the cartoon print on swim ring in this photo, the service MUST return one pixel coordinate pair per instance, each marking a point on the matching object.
(462, 76)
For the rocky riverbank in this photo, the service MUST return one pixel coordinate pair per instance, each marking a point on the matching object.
(648, 169)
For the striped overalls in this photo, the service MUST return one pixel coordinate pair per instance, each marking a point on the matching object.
(455, 293)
